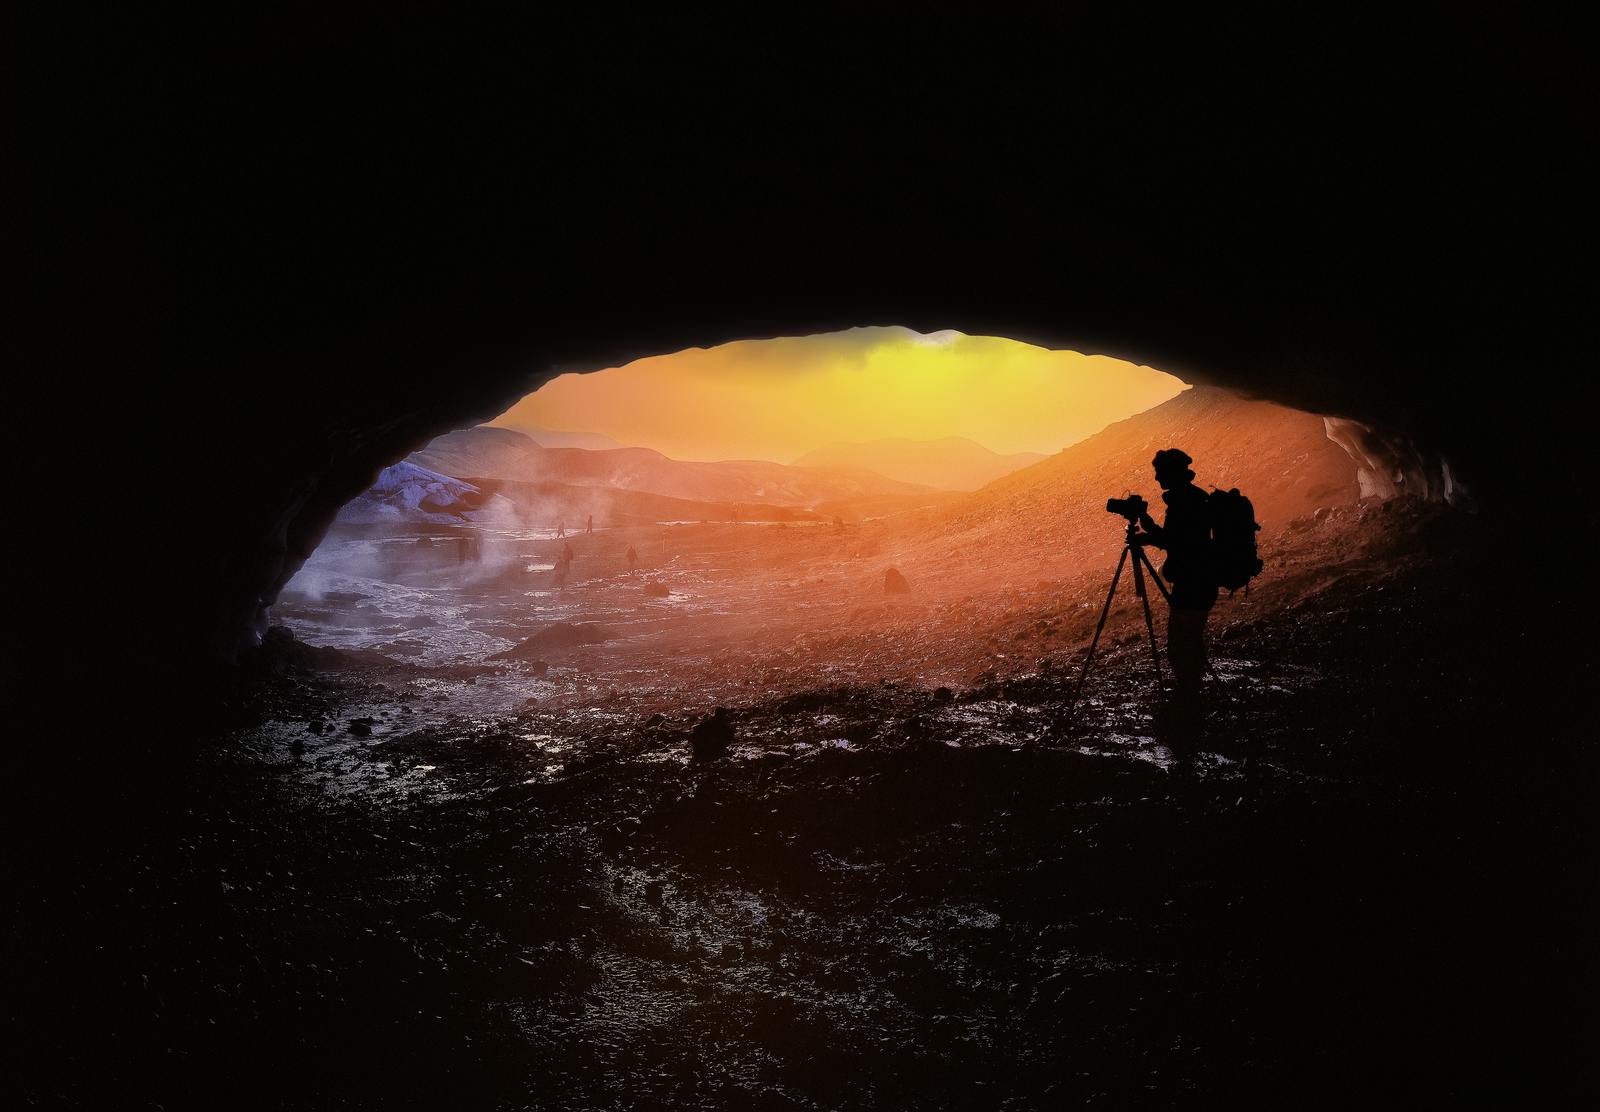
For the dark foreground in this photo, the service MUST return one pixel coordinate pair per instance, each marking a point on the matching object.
(1367, 881)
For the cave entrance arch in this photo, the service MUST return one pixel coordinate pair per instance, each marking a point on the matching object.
(494, 507)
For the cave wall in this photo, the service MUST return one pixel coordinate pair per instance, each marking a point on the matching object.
(288, 254)
(1389, 465)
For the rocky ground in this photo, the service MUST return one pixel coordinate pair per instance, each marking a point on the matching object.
(1364, 880)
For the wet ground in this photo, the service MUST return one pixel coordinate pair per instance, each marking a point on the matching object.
(916, 880)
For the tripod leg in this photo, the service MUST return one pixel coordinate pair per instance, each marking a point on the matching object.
(1098, 629)
(1155, 576)
(1144, 597)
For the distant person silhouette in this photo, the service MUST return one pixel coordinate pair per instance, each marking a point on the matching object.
(1185, 534)
(589, 527)
(561, 529)
(633, 558)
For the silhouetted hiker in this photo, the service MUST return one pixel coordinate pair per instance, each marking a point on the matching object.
(561, 529)
(633, 558)
(566, 554)
(1185, 534)
(589, 527)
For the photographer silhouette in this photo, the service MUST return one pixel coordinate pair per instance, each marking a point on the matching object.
(1191, 567)
(1185, 535)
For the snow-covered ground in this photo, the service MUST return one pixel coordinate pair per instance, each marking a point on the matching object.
(405, 492)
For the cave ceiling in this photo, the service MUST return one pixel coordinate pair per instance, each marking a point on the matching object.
(302, 259)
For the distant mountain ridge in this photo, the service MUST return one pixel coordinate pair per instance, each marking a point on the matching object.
(948, 463)
(556, 438)
(506, 454)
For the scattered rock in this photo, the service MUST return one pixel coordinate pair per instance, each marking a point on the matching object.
(361, 727)
(712, 736)
(557, 635)
(653, 589)
(282, 653)
(316, 726)
(894, 583)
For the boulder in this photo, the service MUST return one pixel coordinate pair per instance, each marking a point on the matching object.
(557, 635)
(894, 583)
(712, 736)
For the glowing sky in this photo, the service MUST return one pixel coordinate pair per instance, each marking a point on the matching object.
(777, 399)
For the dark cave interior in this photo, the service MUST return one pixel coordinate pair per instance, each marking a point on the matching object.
(285, 260)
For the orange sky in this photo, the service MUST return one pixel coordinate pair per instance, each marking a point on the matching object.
(776, 399)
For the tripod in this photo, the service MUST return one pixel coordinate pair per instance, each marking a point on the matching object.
(1140, 562)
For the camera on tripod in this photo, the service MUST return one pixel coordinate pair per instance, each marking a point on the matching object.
(1132, 507)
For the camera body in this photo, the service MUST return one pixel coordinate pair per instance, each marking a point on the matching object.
(1132, 507)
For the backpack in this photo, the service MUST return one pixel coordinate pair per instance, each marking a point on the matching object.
(1233, 539)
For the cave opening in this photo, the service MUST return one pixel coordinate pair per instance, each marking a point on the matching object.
(766, 517)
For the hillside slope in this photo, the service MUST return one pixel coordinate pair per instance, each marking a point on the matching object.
(1050, 519)
(478, 451)
(405, 492)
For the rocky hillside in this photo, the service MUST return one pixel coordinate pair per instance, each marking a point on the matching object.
(483, 451)
(408, 493)
(1051, 517)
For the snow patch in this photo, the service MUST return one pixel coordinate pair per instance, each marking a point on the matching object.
(406, 492)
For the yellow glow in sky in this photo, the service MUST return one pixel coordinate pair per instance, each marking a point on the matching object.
(777, 399)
